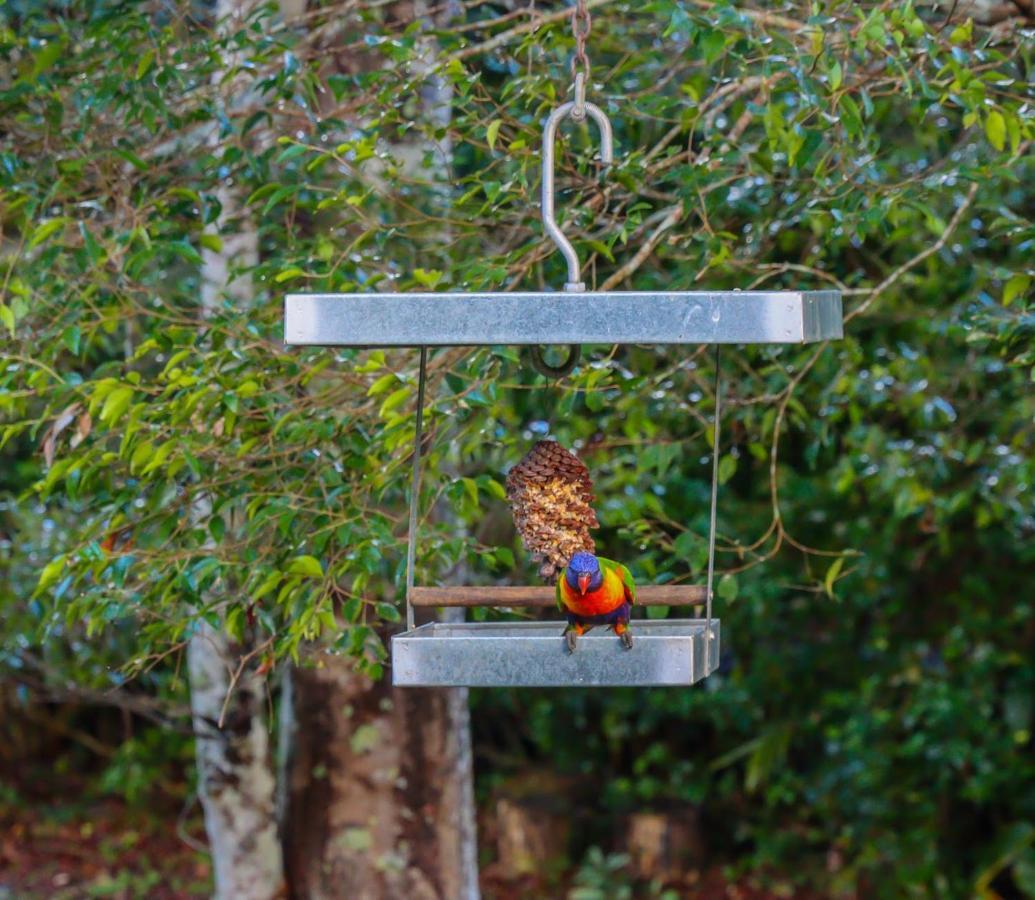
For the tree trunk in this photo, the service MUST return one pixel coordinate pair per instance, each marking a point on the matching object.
(232, 748)
(378, 796)
(235, 776)
(378, 789)
(235, 769)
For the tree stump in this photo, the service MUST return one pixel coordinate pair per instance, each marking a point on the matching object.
(664, 845)
(530, 833)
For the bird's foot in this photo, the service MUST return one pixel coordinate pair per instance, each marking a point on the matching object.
(570, 638)
(624, 635)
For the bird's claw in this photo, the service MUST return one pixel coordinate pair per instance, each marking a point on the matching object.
(570, 637)
(627, 639)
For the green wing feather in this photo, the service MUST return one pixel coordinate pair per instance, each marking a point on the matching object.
(623, 573)
(557, 592)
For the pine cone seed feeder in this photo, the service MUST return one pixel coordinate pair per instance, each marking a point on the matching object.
(551, 497)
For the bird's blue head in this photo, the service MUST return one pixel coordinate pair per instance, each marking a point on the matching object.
(583, 573)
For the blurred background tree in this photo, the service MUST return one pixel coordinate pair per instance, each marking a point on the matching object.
(170, 470)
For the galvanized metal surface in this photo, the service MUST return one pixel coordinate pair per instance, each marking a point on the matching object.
(532, 654)
(613, 317)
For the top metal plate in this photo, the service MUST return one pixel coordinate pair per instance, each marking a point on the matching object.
(613, 317)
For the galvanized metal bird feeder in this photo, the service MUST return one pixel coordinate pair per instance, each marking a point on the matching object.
(532, 654)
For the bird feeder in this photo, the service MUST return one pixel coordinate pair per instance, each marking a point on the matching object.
(532, 654)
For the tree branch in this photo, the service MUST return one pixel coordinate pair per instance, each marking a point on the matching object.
(920, 257)
(674, 215)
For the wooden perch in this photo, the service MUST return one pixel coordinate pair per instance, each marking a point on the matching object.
(648, 595)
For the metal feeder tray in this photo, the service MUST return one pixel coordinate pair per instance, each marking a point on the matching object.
(532, 654)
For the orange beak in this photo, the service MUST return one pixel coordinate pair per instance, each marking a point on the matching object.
(584, 579)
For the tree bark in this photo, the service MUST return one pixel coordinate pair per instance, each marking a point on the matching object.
(235, 776)
(378, 789)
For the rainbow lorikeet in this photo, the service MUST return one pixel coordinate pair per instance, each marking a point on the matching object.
(595, 591)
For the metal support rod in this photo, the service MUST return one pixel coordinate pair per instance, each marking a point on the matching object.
(411, 541)
(715, 506)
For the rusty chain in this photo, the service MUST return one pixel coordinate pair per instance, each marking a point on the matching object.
(581, 23)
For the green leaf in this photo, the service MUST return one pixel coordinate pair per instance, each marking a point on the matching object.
(365, 739)
(129, 156)
(270, 582)
(51, 573)
(768, 755)
(45, 58)
(727, 468)
(962, 34)
(186, 251)
(144, 64)
(491, 132)
(394, 400)
(995, 129)
(851, 118)
(686, 546)
(492, 487)
(309, 566)
(159, 457)
(712, 43)
(375, 361)
(143, 452)
(602, 249)
(115, 404)
(727, 589)
(217, 528)
(831, 576)
(1016, 287)
(382, 384)
(45, 229)
(427, 277)
(211, 241)
(471, 488)
(834, 75)
(388, 611)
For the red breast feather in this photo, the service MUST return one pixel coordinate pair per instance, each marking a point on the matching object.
(609, 596)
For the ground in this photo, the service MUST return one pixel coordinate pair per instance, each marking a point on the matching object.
(100, 848)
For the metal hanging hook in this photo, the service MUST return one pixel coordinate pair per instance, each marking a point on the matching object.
(577, 109)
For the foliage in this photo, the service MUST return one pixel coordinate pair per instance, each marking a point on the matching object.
(167, 459)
